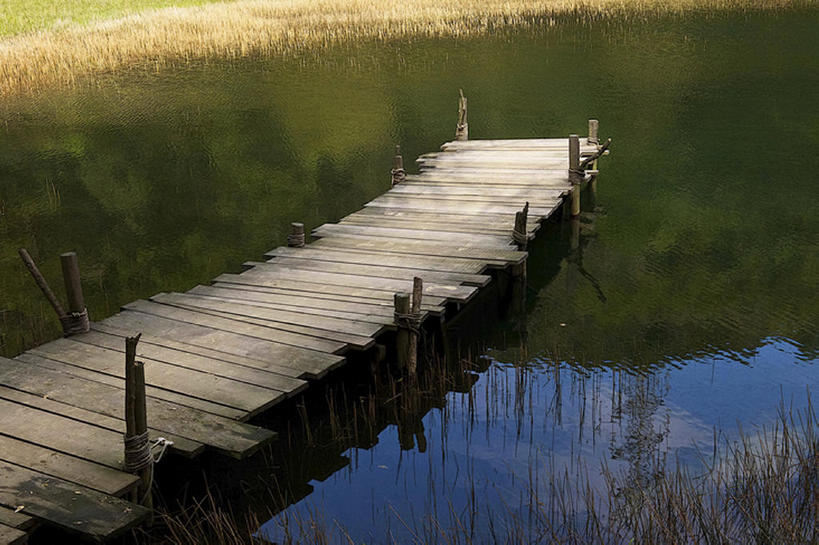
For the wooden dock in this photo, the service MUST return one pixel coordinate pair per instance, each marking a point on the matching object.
(219, 354)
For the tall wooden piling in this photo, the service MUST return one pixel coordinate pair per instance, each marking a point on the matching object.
(462, 130)
(575, 174)
(76, 319)
(296, 238)
(138, 458)
(397, 174)
(415, 310)
(593, 139)
(408, 321)
(402, 338)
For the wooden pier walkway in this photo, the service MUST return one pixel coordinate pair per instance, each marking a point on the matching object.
(219, 354)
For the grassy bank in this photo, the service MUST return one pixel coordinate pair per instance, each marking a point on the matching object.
(21, 16)
(150, 39)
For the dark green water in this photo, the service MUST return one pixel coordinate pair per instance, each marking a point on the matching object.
(698, 269)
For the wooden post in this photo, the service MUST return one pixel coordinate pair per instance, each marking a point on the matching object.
(296, 237)
(137, 453)
(402, 338)
(41, 282)
(398, 174)
(575, 175)
(415, 310)
(462, 130)
(76, 320)
(520, 233)
(594, 127)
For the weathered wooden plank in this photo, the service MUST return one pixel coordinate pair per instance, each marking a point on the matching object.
(514, 144)
(36, 376)
(212, 343)
(63, 466)
(496, 191)
(451, 292)
(533, 200)
(379, 270)
(450, 160)
(523, 175)
(443, 264)
(515, 179)
(455, 227)
(356, 334)
(159, 393)
(273, 301)
(69, 506)
(446, 237)
(190, 429)
(521, 154)
(231, 393)
(242, 373)
(318, 291)
(62, 434)
(8, 517)
(12, 536)
(421, 216)
(421, 248)
(226, 324)
(440, 206)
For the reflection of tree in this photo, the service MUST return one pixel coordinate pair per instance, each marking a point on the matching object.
(645, 428)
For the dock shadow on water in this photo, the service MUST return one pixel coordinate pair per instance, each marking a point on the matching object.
(678, 310)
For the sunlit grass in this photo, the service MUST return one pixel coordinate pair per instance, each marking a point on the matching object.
(63, 54)
(19, 16)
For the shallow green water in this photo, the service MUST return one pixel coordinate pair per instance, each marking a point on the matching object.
(699, 266)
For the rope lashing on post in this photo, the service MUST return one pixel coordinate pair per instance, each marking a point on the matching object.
(141, 453)
(410, 321)
(594, 157)
(519, 238)
(295, 240)
(398, 175)
(75, 323)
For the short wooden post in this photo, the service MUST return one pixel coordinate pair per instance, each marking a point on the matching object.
(402, 338)
(40, 280)
(76, 320)
(398, 174)
(575, 174)
(296, 237)
(415, 310)
(520, 233)
(594, 126)
(462, 130)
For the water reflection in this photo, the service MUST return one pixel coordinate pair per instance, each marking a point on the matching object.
(688, 303)
(490, 455)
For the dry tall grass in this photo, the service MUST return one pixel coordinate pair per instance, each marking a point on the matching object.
(253, 27)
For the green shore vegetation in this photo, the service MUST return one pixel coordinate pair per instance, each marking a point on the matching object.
(63, 53)
(22, 16)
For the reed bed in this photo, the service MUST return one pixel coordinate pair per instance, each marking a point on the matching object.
(246, 28)
(753, 488)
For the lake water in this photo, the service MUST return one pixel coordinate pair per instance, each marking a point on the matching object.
(690, 303)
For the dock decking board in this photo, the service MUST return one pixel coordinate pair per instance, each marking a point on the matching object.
(221, 353)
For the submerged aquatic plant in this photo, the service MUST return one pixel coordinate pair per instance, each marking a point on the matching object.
(264, 27)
